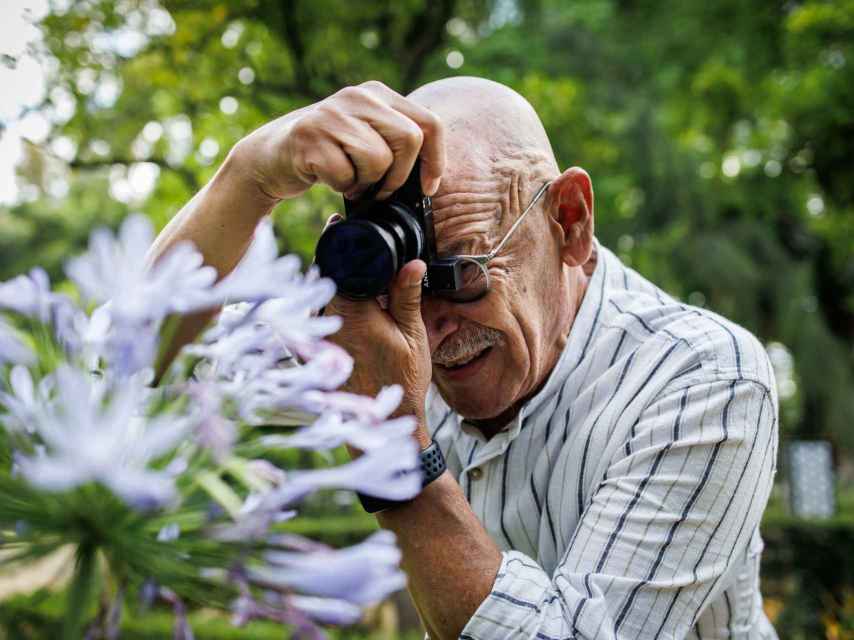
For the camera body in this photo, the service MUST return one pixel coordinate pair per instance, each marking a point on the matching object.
(363, 253)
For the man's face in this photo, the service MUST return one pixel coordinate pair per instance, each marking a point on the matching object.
(509, 332)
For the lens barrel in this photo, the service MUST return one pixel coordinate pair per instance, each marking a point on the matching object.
(363, 255)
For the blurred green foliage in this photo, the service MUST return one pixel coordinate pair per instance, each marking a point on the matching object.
(39, 616)
(718, 135)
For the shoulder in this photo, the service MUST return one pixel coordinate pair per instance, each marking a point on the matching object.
(714, 348)
(634, 310)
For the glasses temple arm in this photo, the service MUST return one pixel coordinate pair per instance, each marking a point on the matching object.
(510, 231)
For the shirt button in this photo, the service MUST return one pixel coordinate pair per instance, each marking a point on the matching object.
(476, 473)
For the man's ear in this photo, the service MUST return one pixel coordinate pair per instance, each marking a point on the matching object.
(570, 200)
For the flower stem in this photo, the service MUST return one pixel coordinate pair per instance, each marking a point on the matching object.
(80, 592)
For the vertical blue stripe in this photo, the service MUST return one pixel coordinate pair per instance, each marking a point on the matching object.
(505, 462)
(583, 465)
(603, 558)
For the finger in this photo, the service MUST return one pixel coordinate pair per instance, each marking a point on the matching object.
(433, 148)
(368, 151)
(404, 138)
(404, 302)
(330, 165)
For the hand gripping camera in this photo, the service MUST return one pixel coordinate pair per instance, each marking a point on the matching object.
(363, 253)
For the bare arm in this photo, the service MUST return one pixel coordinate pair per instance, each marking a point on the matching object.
(220, 221)
(448, 556)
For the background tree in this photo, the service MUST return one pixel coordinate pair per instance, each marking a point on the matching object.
(718, 136)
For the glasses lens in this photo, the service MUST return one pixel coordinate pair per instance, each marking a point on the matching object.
(474, 282)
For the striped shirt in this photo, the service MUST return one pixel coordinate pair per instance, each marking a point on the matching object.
(627, 494)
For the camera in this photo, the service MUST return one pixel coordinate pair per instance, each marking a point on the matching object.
(363, 253)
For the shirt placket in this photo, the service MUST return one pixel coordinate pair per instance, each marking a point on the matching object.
(479, 461)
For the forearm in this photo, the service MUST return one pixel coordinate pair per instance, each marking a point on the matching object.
(448, 556)
(220, 221)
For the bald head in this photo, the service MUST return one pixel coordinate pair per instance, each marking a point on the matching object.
(497, 155)
(486, 121)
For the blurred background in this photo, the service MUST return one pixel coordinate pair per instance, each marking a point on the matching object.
(719, 136)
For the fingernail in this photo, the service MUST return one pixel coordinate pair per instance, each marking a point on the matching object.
(332, 220)
(420, 277)
(434, 186)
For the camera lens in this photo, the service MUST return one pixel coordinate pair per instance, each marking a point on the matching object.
(363, 255)
(359, 255)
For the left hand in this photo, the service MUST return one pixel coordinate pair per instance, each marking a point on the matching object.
(389, 346)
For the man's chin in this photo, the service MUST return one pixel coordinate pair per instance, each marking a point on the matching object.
(469, 404)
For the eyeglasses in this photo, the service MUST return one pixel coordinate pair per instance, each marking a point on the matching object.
(471, 276)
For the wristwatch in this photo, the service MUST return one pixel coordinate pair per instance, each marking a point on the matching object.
(432, 466)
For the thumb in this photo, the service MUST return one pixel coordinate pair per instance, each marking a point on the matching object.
(404, 299)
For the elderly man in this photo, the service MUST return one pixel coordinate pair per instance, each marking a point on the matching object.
(610, 450)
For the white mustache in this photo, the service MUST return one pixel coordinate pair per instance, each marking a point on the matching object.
(465, 344)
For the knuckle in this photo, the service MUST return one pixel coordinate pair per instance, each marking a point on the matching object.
(327, 110)
(370, 173)
(353, 94)
(373, 162)
(346, 92)
(305, 128)
(414, 136)
(431, 122)
(374, 85)
(384, 158)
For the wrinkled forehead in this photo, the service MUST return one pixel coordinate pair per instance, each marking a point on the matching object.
(468, 211)
(479, 198)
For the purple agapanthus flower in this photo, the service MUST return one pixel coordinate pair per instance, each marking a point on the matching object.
(29, 295)
(330, 431)
(266, 359)
(263, 275)
(12, 348)
(115, 270)
(91, 436)
(389, 471)
(331, 611)
(300, 612)
(121, 346)
(250, 359)
(362, 574)
(134, 297)
(23, 405)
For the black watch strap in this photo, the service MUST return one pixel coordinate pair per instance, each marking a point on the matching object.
(432, 466)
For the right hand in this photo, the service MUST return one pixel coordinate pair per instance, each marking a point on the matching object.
(349, 141)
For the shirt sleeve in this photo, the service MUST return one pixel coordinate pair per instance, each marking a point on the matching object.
(675, 510)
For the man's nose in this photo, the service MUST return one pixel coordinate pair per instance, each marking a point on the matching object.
(440, 318)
